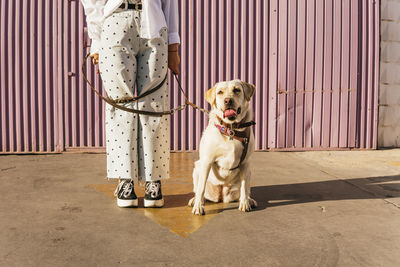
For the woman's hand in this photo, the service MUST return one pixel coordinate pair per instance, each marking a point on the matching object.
(95, 59)
(173, 58)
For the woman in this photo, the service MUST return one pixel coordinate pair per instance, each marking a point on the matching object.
(134, 43)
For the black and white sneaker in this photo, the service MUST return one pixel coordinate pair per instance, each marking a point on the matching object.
(125, 194)
(153, 196)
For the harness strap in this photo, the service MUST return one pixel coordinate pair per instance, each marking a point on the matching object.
(242, 136)
(244, 153)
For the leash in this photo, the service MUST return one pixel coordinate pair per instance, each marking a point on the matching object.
(187, 102)
(115, 102)
(225, 129)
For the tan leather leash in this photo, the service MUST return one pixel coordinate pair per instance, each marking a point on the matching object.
(187, 102)
(113, 102)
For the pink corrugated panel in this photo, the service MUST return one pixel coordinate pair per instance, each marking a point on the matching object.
(28, 77)
(315, 65)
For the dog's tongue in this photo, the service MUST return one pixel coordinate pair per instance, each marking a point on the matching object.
(229, 113)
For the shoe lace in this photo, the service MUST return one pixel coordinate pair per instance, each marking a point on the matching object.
(124, 188)
(153, 189)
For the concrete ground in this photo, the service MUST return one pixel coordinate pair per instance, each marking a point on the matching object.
(315, 209)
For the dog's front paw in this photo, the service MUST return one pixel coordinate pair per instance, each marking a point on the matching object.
(245, 205)
(198, 209)
(191, 202)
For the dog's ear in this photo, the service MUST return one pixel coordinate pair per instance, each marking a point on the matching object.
(248, 89)
(210, 96)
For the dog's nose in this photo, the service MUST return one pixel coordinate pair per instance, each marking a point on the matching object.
(228, 101)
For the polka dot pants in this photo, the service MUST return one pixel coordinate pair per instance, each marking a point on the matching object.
(137, 145)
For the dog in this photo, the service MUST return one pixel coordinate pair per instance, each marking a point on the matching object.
(222, 172)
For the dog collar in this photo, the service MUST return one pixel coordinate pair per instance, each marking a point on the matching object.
(228, 130)
(232, 134)
(236, 125)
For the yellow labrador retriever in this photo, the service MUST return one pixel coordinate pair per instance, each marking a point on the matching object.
(222, 173)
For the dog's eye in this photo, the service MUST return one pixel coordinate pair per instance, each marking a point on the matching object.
(220, 92)
(236, 90)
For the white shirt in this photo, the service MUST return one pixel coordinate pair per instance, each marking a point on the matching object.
(156, 14)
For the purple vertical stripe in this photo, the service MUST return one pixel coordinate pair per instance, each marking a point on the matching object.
(263, 85)
(327, 74)
(300, 74)
(375, 59)
(11, 81)
(273, 74)
(291, 73)
(3, 80)
(344, 87)
(336, 74)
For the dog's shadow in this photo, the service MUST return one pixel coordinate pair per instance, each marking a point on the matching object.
(290, 194)
(346, 189)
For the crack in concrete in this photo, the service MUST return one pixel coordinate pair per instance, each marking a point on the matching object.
(9, 168)
(362, 189)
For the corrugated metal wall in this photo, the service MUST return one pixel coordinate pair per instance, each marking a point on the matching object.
(83, 111)
(315, 64)
(29, 100)
(323, 74)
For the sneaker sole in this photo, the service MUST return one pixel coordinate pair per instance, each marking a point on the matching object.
(126, 203)
(153, 203)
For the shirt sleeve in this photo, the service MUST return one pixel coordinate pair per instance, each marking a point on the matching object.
(94, 11)
(171, 13)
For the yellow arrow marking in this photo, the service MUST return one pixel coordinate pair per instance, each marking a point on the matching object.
(175, 215)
